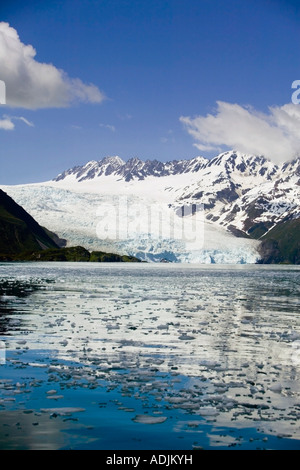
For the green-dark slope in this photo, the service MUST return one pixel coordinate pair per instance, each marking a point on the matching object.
(18, 230)
(282, 243)
(75, 253)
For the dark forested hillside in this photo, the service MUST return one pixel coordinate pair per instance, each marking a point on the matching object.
(19, 231)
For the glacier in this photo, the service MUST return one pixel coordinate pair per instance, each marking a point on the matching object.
(143, 213)
(186, 211)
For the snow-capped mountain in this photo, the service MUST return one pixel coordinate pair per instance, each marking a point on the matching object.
(237, 190)
(133, 169)
(195, 210)
(243, 192)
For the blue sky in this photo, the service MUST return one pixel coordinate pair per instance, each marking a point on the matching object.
(155, 79)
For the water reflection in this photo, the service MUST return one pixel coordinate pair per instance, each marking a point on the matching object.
(219, 345)
(12, 294)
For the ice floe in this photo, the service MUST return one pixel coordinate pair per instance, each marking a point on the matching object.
(145, 419)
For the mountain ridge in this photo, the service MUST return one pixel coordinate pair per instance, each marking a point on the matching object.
(134, 168)
(241, 196)
(137, 168)
(231, 178)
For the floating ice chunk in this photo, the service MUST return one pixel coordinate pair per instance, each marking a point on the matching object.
(162, 327)
(276, 388)
(6, 298)
(146, 419)
(38, 364)
(176, 399)
(193, 424)
(62, 411)
(209, 364)
(156, 361)
(113, 327)
(186, 337)
(290, 335)
(208, 411)
(294, 336)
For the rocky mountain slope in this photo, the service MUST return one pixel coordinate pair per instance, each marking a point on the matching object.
(19, 232)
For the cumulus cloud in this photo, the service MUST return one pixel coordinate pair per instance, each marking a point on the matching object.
(7, 124)
(275, 135)
(33, 85)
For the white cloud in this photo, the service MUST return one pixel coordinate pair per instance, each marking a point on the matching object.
(29, 123)
(108, 126)
(6, 124)
(31, 84)
(275, 135)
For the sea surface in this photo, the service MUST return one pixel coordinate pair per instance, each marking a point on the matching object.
(149, 356)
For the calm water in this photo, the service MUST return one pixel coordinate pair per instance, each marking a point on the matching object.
(135, 356)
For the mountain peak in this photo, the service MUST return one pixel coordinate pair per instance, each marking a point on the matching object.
(226, 163)
(112, 160)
